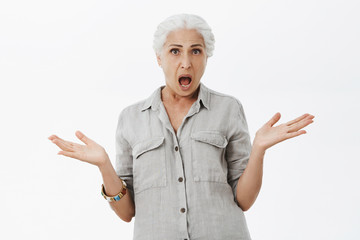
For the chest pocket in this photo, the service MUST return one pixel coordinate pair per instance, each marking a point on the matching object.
(149, 169)
(208, 156)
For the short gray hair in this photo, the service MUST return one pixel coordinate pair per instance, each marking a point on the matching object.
(181, 21)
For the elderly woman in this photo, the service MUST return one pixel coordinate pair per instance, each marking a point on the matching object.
(185, 166)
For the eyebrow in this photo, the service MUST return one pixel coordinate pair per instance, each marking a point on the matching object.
(194, 45)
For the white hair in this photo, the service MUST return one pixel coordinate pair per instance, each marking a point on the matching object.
(183, 21)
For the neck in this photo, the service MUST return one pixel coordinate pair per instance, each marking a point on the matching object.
(170, 96)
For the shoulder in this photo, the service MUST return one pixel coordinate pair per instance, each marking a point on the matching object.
(219, 99)
(133, 108)
(140, 106)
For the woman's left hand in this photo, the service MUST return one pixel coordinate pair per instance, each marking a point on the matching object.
(268, 135)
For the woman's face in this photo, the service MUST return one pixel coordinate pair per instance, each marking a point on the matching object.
(183, 60)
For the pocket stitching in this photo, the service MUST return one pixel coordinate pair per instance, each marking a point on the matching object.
(139, 149)
(219, 141)
(150, 144)
(215, 139)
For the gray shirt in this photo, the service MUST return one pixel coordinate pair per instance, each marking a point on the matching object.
(184, 184)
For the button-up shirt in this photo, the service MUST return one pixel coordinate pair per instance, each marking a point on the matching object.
(184, 183)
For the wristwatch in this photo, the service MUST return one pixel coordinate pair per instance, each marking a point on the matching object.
(116, 197)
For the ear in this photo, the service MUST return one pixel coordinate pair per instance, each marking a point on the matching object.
(158, 58)
(206, 58)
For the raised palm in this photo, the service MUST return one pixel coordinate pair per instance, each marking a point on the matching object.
(269, 135)
(91, 152)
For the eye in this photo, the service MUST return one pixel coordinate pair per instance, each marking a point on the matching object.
(196, 51)
(174, 51)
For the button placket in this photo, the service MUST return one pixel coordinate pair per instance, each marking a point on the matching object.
(181, 179)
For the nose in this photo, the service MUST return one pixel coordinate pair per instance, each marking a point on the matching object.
(185, 62)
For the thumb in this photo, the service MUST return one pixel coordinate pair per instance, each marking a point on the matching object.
(82, 137)
(274, 119)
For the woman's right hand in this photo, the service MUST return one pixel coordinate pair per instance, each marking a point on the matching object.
(91, 152)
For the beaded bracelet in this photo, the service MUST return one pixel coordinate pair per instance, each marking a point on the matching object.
(118, 196)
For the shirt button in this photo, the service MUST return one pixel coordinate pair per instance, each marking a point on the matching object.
(176, 148)
(182, 210)
(180, 179)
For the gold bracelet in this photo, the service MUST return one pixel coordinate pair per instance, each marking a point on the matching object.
(118, 196)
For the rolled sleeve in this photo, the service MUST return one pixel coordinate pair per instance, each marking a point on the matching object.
(124, 158)
(239, 147)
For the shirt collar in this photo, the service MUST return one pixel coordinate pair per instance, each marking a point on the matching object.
(155, 98)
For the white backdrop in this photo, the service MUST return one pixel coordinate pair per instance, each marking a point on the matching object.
(74, 65)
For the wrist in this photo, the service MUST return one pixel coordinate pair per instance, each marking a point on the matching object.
(257, 147)
(105, 164)
(118, 196)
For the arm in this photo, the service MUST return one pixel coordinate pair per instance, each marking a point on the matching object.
(94, 154)
(249, 183)
(125, 207)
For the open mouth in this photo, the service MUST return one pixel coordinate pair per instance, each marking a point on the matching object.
(185, 81)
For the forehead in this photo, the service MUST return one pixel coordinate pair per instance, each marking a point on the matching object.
(184, 37)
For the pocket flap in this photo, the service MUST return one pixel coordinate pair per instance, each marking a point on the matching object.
(210, 137)
(147, 145)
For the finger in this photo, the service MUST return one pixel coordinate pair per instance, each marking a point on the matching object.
(297, 119)
(297, 126)
(52, 137)
(83, 138)
(274, 119)
(295, 134)
(64, 145)
(70, 154)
